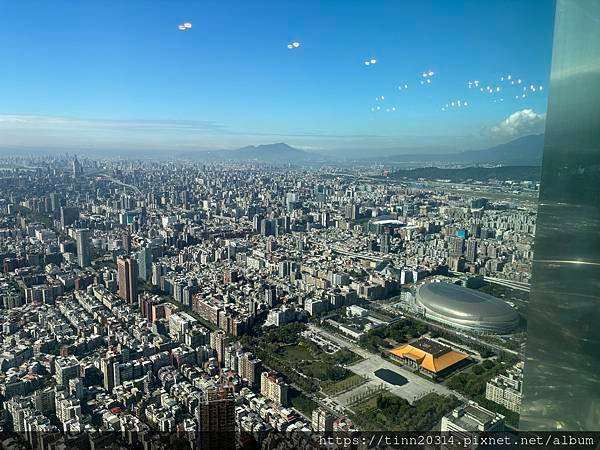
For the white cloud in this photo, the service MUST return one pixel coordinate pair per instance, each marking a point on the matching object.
(29, 120)
(28, 130)
(17, 121)
(520, 123)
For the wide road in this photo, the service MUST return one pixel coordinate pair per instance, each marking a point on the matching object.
(102, 174)
(517, 285)
(415, 387)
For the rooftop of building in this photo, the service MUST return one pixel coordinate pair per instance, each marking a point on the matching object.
(430, 355)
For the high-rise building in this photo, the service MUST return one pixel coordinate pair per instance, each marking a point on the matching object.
(506, 390)
(283, 269)
(477, 203)
(274, 388)
(456, 246)
(384, 246)
(108, 372)
(54, 201)
(231, 276)
(77, 167)
(290, 200)
(257, 222)
(267, 227)
(158, 271)
(216, 419)
(352, 211)
(145, 263)
(84, 247)
(322, 420)
(68, 216)
(127, 242)
(219, 341)
(471, 252)
(43, 400)
(475, 230)
(249, 367)
(66, 368)
(271, 295)
(456, 263)
(272, 245)
(128, 281)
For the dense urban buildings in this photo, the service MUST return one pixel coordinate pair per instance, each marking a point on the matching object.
(217, 231)
(179, 296)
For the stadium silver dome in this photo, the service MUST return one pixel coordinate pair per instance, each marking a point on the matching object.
(466, 309)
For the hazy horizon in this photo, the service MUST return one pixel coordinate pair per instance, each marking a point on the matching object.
(334, 154)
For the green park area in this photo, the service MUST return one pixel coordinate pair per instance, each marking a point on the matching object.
(301, 402)
(302, 361)
(386, 411)
(295, 352)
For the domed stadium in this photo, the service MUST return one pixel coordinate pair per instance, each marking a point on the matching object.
(377, 224)
(465, 308)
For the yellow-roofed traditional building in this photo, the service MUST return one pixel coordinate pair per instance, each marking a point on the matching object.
(430, 357)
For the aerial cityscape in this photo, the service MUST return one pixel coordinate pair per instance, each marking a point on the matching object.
(261, 224)
(324, 299)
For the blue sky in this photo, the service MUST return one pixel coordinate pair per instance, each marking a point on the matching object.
(119, 74)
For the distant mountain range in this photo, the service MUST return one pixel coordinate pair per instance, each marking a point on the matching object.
(524, 151)
(279, 153)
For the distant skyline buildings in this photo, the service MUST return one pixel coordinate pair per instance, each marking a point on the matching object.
(77, 168)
